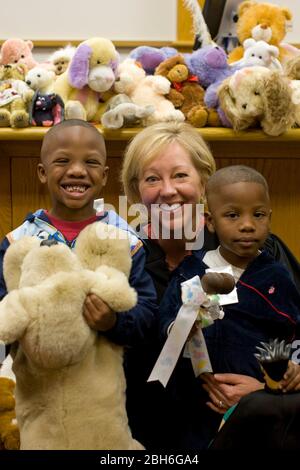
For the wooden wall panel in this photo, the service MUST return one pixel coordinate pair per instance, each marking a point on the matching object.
(5, 195)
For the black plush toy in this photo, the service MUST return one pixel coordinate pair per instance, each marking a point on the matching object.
(267, 419)
(46, 110)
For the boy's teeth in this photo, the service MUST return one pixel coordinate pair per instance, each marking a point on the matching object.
(75, 189)
(169, 207)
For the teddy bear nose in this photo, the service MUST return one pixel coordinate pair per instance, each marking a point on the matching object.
(28, 82)
(244, 106)
(49, 242)
(264, 26)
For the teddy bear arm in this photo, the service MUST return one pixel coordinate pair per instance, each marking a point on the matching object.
(114, 289)
(14, 318)
(176, 98)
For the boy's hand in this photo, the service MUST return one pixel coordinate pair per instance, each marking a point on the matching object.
(98, 314)
(291, 379)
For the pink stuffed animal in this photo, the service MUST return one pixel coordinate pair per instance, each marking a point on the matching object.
(17, 51)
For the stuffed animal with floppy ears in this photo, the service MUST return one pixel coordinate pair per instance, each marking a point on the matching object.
(257, 95)
(85, 86)
(261, 21)
(70, 383)
(122, 112)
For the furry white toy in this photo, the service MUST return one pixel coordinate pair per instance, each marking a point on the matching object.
(70, 391)
(255, 95)
(85, 86)
(259, 53)
(147, 90)
(61, 58)
(42, 79)
(122, 112)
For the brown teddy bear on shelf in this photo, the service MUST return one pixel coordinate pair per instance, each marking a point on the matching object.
(15, 96)
(261, 21)
(186, 94)
(9, 432)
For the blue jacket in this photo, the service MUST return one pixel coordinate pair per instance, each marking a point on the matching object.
(133, 327)
(268, 307)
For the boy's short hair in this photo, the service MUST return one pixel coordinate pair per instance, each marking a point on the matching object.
(149, 142)
(234, 174)
(72, 123)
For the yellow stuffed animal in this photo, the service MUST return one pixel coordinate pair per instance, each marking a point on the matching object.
(9, 432)
(15, 96)
(86, 84)
(261, 21)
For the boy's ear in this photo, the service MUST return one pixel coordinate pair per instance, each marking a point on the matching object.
(209, 222)
(105, 175)
(42, 173)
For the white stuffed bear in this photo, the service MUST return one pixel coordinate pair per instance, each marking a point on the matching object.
(42, 79)
(70, 391)
(259, 53)
(145, 90)
(85, 86)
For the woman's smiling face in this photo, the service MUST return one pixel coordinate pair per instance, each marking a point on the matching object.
(171, 186)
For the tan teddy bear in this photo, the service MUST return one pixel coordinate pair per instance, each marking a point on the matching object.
(15, 96)
(261, 21)
(186, 94)
(70, 391)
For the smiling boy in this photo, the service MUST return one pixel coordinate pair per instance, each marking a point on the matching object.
(73, 166)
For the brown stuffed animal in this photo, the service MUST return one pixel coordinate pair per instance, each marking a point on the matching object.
(9, 432)
(186, 94)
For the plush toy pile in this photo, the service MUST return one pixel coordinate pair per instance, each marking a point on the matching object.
(70, 391)
(159, 84)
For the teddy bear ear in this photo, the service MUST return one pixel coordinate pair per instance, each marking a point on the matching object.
(244, 6)
(287, 13)
(13, 259)
(29, 44)
(249, 43)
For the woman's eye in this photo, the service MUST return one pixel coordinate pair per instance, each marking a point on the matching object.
(181, 175)
(151, 179)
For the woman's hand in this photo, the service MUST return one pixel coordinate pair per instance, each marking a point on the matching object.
(291, 379)
(225, 390)
(98, 314)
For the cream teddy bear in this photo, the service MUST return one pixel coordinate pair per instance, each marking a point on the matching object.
(85, 86)
(145, 90)
(42, 79)
(70, 391)
(61, 58)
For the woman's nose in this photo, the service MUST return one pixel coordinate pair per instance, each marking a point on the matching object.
(167, 188)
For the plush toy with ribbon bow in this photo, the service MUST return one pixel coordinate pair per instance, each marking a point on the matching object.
(186, 93)
(200, 308)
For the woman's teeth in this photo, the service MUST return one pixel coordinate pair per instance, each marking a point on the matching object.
(169, 207)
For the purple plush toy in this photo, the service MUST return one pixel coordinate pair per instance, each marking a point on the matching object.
(150, 57)
(210, 65)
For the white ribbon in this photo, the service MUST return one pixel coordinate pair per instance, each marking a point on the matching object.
(193, 297)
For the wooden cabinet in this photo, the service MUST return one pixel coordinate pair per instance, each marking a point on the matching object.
(278, 159)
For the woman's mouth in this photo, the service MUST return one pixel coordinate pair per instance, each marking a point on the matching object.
(170, 207)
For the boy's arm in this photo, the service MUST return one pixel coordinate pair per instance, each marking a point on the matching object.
(3, 247)
(138, 325)
(169, 308)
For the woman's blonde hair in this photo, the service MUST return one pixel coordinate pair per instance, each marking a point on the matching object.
(151, 141)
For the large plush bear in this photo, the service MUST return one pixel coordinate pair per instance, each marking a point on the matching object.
(70, 391)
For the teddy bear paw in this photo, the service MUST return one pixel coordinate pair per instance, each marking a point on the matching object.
(4, 118)
(19, 119)
(197, 116)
